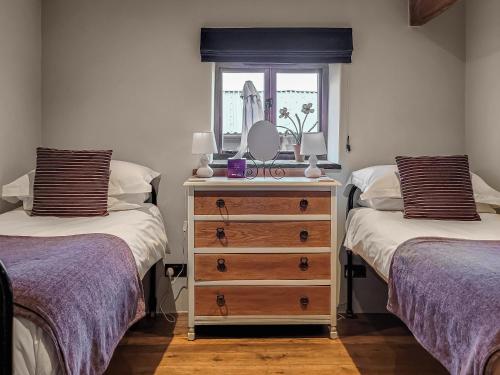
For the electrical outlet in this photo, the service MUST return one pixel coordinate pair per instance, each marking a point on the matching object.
(358, 271)
(180, 270)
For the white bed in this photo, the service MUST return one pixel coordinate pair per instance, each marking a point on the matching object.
(374, 235)
(142, 229)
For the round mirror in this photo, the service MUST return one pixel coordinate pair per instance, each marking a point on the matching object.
(263, 141)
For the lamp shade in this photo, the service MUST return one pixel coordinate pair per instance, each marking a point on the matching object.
(204, 143)
(313, 144)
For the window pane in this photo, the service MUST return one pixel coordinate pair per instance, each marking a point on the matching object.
(293, 90)
(232, 105)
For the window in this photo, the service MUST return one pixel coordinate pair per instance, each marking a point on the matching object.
(280, 86)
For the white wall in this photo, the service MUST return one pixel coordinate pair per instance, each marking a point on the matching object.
(126, 75)
(483, 88)
(20, 87)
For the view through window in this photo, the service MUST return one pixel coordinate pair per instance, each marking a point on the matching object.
(299, 89)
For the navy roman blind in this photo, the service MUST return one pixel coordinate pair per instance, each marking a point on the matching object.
(276, 45)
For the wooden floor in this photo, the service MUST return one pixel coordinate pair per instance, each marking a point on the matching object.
(371, 344)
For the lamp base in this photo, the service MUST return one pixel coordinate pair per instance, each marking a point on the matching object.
(205, 172)
(312, 171)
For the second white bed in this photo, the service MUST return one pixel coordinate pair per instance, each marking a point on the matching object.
(375, 235)
(142, 229)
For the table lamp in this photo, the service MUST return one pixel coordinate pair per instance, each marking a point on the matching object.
(204, 144)
(313, 144)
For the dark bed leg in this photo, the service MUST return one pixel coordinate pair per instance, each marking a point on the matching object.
(6, 319)
(152, 292)
(349, 312)
(350, 206)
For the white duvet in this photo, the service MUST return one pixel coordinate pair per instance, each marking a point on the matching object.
(375, 235)
(142, 229)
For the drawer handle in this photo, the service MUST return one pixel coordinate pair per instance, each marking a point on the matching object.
(304, 263)
(220, 233)
(304, 235)
(304, 301)
(303, 204)
(221, 301)
(221, 265)
(220, 203)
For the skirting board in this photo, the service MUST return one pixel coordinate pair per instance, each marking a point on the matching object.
(262, 319)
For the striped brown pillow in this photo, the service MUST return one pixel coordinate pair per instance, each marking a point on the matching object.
(71, 183)
(437, 187)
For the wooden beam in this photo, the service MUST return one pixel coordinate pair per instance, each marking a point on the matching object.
(422, 11)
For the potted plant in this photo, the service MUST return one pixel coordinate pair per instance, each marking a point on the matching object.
(298, 127)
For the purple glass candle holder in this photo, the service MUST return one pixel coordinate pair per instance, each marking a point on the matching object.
(236, 168)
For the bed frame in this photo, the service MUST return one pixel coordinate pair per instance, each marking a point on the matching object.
(354, 192)
(349, 271)
(7, 307)
(6, 317)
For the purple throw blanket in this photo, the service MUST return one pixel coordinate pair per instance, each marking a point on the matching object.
(447, 292)
(83, 290)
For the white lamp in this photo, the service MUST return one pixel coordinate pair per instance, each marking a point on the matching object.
(313, 144)
(203, 145)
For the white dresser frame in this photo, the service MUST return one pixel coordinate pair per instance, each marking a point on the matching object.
(267, 184)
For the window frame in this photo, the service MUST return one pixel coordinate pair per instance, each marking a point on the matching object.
(270, 71)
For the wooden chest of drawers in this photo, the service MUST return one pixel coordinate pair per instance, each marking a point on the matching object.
(262, 251)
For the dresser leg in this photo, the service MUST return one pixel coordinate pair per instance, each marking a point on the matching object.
(333, 333)
(191, 335)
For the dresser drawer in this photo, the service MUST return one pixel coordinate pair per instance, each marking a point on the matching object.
(213, 267)
(262, 234)
(262, 202)
(262, 300)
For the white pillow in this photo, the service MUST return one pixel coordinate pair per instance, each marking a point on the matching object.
(484, 193)
(115, 203)
(485, 208)
(20, 189)
(396, 204)
(383, 204)
(383, 189)
(127, 201)
(129, 186)
(365, 177)
(385, 186)
(130, 178)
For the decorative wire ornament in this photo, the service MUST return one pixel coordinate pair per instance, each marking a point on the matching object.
(275, 171)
